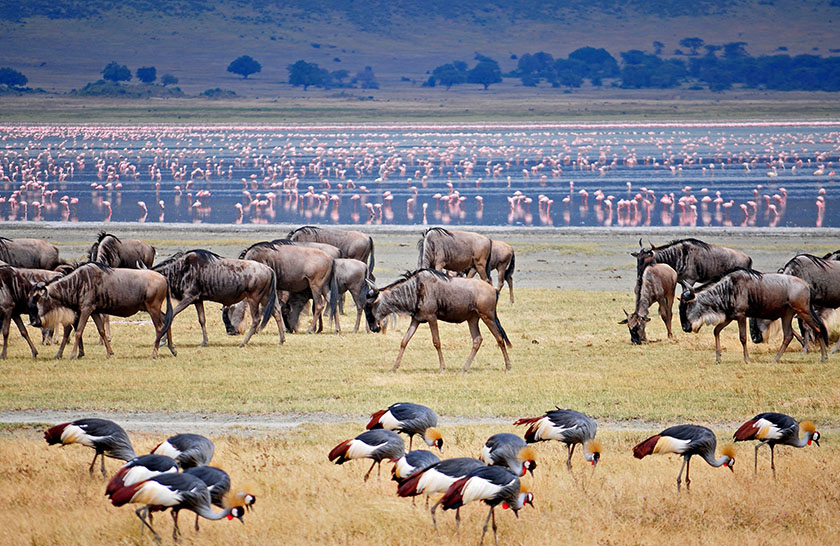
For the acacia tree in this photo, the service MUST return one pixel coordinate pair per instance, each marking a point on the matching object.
(692, 43)
(116, 72)
(305, 74)
(11, 77)
(168, 79)
(146, 74)
(450, 74)
(244, 66)
(486, 72)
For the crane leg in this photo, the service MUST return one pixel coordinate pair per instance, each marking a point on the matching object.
(369, 471)
(772, 461)
(495, 538)
(484, 530)
(145, 511)
(755, 465)
(457, 520)
(679, 476)
(175, 531)
(410, 441)
(687, 469)
(196, 523)
(93, 463)
(571, 452)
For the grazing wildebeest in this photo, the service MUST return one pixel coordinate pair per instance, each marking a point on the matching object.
(503, 260)
(14, 300)
(746, 293)
(330, 250)
(297, 268)
(32, 253)
(34, 276)
(127, 253)
(822, 276)
(455, 250)
(94, 289)
(428, 295)
(352, 244)
(199, 275)
(658, 284)
(692, 259)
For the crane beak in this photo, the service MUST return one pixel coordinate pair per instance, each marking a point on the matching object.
(817, 442)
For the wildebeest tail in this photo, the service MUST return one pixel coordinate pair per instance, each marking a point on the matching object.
(820, 323)
(333, 292)
(510, 267)
(268, 309)
(489, 256)
(167, 317)
(502, 330)
(371, 261)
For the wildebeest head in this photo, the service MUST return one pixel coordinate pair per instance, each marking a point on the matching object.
(371, 308)
(758, 329)
(636, 324)
(45, 312)
(233, 316)
(688, 314)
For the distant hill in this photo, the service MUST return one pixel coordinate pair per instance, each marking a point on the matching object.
(64, 44)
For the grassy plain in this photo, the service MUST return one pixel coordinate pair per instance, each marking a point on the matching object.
(567, 350)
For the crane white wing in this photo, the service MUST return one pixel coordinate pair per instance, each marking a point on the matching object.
(156, 494)
(74, 434)
(767, 430)
(360, 450)
(668, 444)
(550, 431)
(388, 421)
(432, 482)
(478, 488)
(167, 449)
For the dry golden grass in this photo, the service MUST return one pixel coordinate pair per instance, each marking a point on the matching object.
(303, 499)
(567, 349)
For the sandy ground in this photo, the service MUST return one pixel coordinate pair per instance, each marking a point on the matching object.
(546, 258)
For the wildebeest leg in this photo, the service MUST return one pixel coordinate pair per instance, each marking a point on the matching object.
(666, 312)
(199, 310)
(406, 338)
(7, 319)
(491, 325)
(480, 266)
(106, 336)
(476, 339)
(157, 321)
(25, 334)
(510, 286)
(335, 317)
(67, 329)
(317, 308)
(742, 335)
(84, 315)
(254, 306)
(278, 318)
(814, 325)
(188, 300)
(358, 300)
(787, 332)
(99, 320)
(436, 342)
(718, 328)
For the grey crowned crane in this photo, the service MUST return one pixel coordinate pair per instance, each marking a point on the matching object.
(776, 428)
(178, 492)
(411, 463)
(506, 449)
(437, 479)
(218, 483)
(492, 484)
(107, 438)
(377, 444)
(411, 419)
(188, 449)
(141, 469)
(568, 426)
(687, 440)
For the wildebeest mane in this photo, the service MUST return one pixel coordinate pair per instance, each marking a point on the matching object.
(286, 241)
(307, 230)
(410, 274)
(794, 265)
(204, 256)
(424, 249)
(168, 261)
(261, 244)
(103, 234)
(689, 240)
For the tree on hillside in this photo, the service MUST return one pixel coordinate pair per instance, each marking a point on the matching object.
(486, 72)
(306, 74)
(366, 79)
(244, 66)
(711, 49)
(11, 77)
(599, 63)
(692, 43)
(146, 74)
(168, 79)
(454, 73)
(734, 50)
(116, 72)
(657, 47)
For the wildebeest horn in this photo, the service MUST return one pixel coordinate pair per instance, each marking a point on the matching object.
(651, 245)
(627, 317)
(688, 294)
(640, 243)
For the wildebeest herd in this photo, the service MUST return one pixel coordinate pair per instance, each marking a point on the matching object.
(807, 288)
(270, 279)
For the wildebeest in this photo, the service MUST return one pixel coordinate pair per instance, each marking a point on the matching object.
(33, 253)
(297, 268)
(658, 284)
(352, 244)
(692, 259)
(127, 253)
(199, 275)
(503, 261)
(34, 276)
(428, 295)
(458, 251)
(94, 289)
(823, 278)
(14, 300)
(747, 293)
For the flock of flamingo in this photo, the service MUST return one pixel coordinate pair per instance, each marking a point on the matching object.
(624, 176)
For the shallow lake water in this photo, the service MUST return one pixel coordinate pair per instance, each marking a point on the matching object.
(772, 174)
